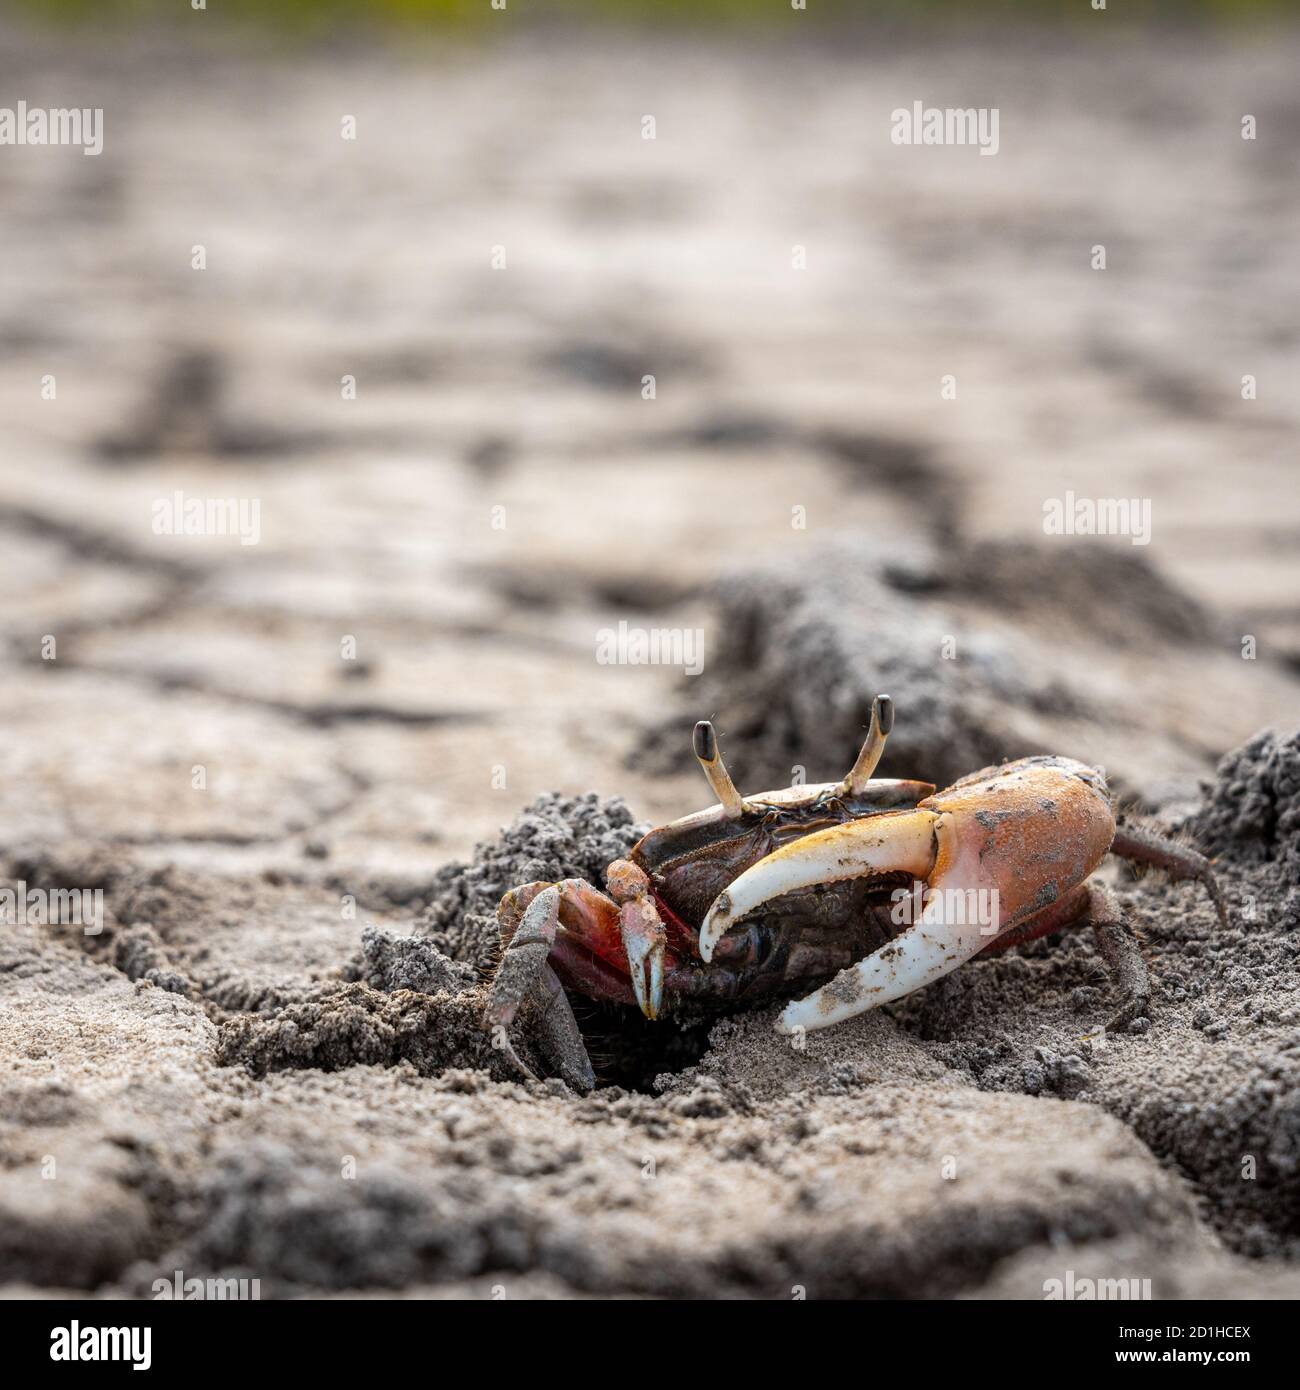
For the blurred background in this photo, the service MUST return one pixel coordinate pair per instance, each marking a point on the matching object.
(501, 373)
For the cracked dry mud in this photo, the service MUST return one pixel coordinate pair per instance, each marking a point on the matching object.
(268, 1063)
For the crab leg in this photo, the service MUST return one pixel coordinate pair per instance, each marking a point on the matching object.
(1123, 955)
(1065, 912)
(524, 974)
(1144, 846)
(1116, 940)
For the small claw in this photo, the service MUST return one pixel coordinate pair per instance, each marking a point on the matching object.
(644, 941)
(888, 843)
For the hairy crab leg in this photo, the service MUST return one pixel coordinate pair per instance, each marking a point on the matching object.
(1122, 953)
(524, 974)
(1116, 940)
(559, 1039)
(1143, 846)
(1061, 914)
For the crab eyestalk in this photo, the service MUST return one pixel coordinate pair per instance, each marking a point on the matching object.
(873, 747)
(705, 742)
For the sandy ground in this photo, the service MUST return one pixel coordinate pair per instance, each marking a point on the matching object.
(268, 1063)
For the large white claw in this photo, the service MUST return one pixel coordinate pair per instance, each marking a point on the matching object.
(924, 952)
(957, 921)
(1008, 843)
(888, 843)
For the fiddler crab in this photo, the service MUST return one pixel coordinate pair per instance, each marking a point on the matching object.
(859, 891)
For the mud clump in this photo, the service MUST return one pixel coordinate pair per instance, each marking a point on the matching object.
(799, 657)
(1252, 809)
(986, 647)
(391, 963)
(1114, 594)
(273, 1210)
(140, 955)
(356, 1025)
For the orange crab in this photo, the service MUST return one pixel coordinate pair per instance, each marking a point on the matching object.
(842, 897)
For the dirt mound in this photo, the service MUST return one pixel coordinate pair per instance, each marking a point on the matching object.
(990, 651)
(354, 1025)
(555, 837)
(799, 657)
(391, 962)
(1252, 808)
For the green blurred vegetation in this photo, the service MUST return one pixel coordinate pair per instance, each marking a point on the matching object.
(318, 15)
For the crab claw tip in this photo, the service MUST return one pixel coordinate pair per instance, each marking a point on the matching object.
(714, 927)
(648, 982)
